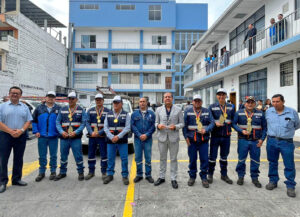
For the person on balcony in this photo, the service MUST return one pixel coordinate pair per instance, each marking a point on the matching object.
(282, 27)
(272, 32)
(225, 58)
(251, 37)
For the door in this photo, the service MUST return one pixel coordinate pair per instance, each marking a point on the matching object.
(104, 62)
(168, 81)
(233, 99)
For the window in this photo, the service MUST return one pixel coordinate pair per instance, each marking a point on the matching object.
(125, 7)
(297, 8)
(5, 33)
(88, 41)
(154, 12)
(126, 59)
(152, 59)
(159, 40)
(177, 40)
(82, 96)
(286, 73)
(89, 7)
(86, 58)
(125, 78)
(152, 78)
(215, 50)
(86, 77)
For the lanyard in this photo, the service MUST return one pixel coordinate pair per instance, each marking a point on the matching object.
(224, 111)
(72, 113)
(249, 118)
(197, 116)
(99, 115)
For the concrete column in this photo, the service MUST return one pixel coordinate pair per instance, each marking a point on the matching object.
(45, 25)
(18, 6)
(60, 36)
(3, 6)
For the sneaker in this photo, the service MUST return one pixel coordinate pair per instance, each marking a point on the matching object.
(108, 179)
(210, 179)
(150, 179)
(205, 183)
(59, 176)
(80, 177)
(271, 185)
(40, 177)
(137, 179)
(256, 183)
(125, 181)
(291, 192)
(191, 182)
(240, 181)
(89, 176)
(52, 176)
(226, 179)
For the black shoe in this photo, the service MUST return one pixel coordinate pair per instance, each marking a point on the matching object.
(150, 179)
(174, 184)
(108, 179)
(271, 185)
(89, 176)
(2, 188)
(210, 179)
(205, 183)
(52, 176)
(137, 179)
(256, 183)
(40, 177)
(125, 181)
(240, 181)
(290, 192)
(191, 182)
(159, 181)
(59, 176)
(80, 177)
(104, 176)
(19, 183)
(227, 179)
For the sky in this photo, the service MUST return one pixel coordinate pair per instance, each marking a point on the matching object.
(60, 9)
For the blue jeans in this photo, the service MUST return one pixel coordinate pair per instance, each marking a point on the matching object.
(139, 148)
(274, 148)
(93, 142)
(245, 146)
(111, 152)
(193, 149)
(224, 143)
(43, 144)
(75, 145)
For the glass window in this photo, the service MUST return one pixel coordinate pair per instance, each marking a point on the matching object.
(126, 59)
(125, 78)
(86, 58)
(154, 12)
(159, 40)
(183, 38)
(152, 59)
(88, 41)
(152, 78)
(125, 7)
(207, 98)
(86, 78)
(177, 41)
(297, 8)
(89, 6)
(286, 73)
(4, 34)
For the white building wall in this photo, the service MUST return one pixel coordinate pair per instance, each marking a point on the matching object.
(148, 39)
(125, 39)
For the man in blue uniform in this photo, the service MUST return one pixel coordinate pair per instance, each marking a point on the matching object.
(282, 123)
(70, 123)
(251, 126)
(223, 114)
(44, 128)
(143, 126)
(117, 127)
(198, 123)
(95, 128)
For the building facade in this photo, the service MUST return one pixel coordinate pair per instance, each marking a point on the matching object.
(272, 67)
(135, 47)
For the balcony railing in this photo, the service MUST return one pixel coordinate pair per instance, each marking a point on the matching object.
(121, 45)
(277, 33)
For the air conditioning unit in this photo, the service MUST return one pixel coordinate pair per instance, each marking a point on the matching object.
(168, 67)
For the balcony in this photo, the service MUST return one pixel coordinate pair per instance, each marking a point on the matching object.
(268, 46)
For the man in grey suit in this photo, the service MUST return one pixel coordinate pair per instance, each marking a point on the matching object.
(169, 120)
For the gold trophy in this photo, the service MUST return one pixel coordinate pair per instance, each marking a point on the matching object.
(96, 129)
(199, 125)
(70, 130)
(249, 125)
(222, 119)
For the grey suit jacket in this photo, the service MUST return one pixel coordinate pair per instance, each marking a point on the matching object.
(176, 118)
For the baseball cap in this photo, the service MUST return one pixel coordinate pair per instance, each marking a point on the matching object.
(250, 98)
(117, 99)
(72, 95)
(221, 90)
(197, 96)
(99, 96)
(51, 93)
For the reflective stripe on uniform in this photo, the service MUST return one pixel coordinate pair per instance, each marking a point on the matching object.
(225, 160)
(255, 161)
(72, 124)
(99, 125)
(256, 127)
(92, 159)
(195, 127)
(215, 109)
(116, 128)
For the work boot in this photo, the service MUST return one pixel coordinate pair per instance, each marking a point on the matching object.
(227, 179)
(2, 188)
(108, 179)
(89, 176)
(205, 183)
(256, 183)
(159, 181)
(40, 177)
(271, 185)
(137, 179)
(150, 179)
(174, 184)
(191, 182)
(52, 176)
(210, 179)
(59, 176)
(104, 176)
(125, 181)
(240, 181)
(80, 177)
(291, 192)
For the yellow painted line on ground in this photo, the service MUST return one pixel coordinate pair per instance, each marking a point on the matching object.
(28, 168)
(234, 160)
(130, 191)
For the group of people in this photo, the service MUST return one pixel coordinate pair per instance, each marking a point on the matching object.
(260, 105)
(212, 62)
(110, 128)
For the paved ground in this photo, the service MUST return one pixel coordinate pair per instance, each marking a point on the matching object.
(70, 197)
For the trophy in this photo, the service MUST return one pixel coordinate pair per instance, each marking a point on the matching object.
(199, 125)
(70, 130)
(222, 119)
(249, 125)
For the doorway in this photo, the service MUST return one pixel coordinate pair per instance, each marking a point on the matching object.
(104, 62)
(168, 81)
(232, 99)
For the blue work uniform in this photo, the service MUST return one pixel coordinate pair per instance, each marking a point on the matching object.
(91, 124)
(220, 137)
(281, 130)
(198, 142)
(77, 123)
(143, 122)
(249, 143)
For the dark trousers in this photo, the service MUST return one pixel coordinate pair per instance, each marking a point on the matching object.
(252, 46)
(93, 142)
(7, 143)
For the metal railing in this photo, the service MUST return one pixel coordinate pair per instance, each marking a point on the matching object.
(121, 45)
(266, 38)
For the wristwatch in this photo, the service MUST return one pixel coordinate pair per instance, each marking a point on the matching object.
(22, 130)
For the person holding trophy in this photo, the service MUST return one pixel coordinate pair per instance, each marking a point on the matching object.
(169, 120)
(198, 123)
(70, 123)
(251, 125)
